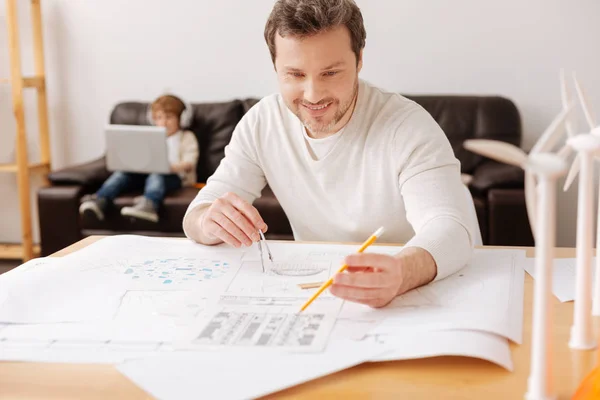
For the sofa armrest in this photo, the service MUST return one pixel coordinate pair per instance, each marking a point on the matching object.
(90, 175)
(494, 175)
(58, 213)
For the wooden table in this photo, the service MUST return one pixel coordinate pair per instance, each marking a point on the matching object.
(431, 378)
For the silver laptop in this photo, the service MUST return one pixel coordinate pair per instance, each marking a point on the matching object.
(137, 148)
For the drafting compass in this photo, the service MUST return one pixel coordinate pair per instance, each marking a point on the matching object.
(262, 239)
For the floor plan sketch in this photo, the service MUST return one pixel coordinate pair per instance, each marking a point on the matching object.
(280, 279)
(266, 328)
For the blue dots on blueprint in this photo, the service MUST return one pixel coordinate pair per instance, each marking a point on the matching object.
(169, 271)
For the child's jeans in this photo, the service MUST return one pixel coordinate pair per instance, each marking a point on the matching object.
(155, 186)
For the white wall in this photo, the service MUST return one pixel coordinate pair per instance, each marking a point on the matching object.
(99, 53)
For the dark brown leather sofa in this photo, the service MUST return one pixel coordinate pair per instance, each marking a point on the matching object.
(497, 189)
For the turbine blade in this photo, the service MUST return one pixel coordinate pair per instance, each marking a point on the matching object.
(565, 96)
(573, 171)
(497, 150)
(550, 136)
(584, 104)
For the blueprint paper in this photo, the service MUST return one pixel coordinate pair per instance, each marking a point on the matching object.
(175, 376)
(158, 264)
(55, 294)
(563, 276)
(15, 272)
(493, 280)
(142, 316)
(152, 316)
(79, 352)
(473, 344)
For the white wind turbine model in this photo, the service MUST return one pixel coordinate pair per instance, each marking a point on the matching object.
(585, 162)
(582, 336)
(546, 168)
(545, 143)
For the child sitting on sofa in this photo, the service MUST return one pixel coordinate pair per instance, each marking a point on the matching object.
(166, 111)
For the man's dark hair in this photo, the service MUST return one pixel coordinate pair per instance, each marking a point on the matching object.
(304, 18)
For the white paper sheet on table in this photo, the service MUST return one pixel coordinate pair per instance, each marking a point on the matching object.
(356, 320)
(473, 344)
(158, 263)
(27, 266)
(563, 276)
(486, 295)
(209, 374)
(80, 352)
(88, 284)
(142, 316)
(55, 294)
(162, 315)
(352, 330)
(112, 264)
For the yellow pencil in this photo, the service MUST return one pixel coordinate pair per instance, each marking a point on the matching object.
(329, 282)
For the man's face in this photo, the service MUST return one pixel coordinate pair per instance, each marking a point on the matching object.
(166, 120)
(318, 78)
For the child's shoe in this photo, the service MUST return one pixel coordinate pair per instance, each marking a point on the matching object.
(143, 209)
(94, 205)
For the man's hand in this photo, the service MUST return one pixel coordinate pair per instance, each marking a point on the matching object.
(376, 279)
(232, 220)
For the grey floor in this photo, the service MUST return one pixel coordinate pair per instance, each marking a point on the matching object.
(7, 265)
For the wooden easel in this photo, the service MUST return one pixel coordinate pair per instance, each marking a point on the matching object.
(26, 249)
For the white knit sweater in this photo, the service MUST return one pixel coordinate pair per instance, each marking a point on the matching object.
(392, 166)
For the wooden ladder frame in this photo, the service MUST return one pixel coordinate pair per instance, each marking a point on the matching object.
(26, 249)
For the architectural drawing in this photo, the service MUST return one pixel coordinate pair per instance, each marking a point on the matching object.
(266, 328)
(250, 280)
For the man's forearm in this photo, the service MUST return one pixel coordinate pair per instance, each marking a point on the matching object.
(419, 268)
(192, 225)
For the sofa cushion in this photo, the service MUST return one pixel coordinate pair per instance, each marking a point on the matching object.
(491, 174)
(171, 214)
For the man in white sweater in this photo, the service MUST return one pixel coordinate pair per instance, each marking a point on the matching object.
(343, 158)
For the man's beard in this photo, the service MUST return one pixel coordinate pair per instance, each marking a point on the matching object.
(317, 128)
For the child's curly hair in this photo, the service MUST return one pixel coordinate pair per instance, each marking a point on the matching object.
(168, 104)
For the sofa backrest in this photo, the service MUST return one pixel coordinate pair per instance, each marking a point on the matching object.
(461, 118)
(473, 117)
